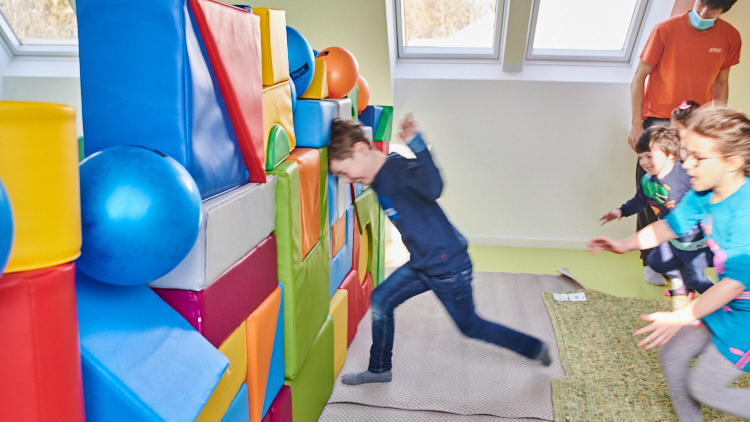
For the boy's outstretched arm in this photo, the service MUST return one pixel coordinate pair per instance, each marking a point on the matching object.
(422, 176)
(649, 237)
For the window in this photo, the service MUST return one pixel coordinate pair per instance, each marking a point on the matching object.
(448, 28)
(39, 26)
(592, 30)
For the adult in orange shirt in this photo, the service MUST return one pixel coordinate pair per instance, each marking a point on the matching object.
(686, 57)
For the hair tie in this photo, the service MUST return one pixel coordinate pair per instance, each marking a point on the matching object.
(684, 105)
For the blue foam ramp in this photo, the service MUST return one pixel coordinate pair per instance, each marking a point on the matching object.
(141, 360)
(276, 370)
(312, 122)
(239, 410)
(159, 95)
(371, 117)
(341, 264)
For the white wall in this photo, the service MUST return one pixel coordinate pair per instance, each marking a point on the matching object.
(5, 58)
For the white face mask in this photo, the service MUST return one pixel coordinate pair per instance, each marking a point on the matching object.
(700, 23)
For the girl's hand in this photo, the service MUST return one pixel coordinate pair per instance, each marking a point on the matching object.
(664, 326)
(606, 218)
(408, 128)
(604, 243)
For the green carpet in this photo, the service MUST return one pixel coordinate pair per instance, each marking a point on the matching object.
(607, 376)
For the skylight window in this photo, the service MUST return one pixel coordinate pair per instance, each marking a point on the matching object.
(35, 22)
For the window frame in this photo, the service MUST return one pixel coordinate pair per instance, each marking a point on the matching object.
(9, 38)
(442, 53)
(625, 55)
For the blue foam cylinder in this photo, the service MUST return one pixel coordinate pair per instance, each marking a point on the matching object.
(276, 369)
(140, 214)
(370, 116)
(140, 359)
(239, 410)
(301, 60)
(312, 122)
(6, 227)
(341, 264)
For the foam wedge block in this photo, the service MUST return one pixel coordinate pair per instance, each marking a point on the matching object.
(218, 309)
(273, 45)
(278, 146)
(39, 168)
(232, 224)
(308, 161)
(277, 109)
(368, 217)
(281, 409)
(383, 147)
(159, 95)
(358, 302)
(354, 97)
(318, 89)
(341, 263)
(385, 126)
(141, 360)
(276, 370)
(231, 37)
(239, 410)
(338, 236)
(339, 311)
(368, 133)
(41, 357)
(381, 248)
(235, 349)
(312, 120)
(312, 388)
(344, 106)
(262, 327)
(370, 116)
(339, 198)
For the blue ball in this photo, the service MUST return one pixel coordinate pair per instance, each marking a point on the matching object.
(301, 60)
(140, 212)
(6, 227)
(294, 96)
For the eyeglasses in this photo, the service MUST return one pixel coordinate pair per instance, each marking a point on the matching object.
(685, 155)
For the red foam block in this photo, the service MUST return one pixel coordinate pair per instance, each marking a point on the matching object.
(40, 363)
(281, 408)
(359, 301)
(219, 309)
(383, 147)
(232, 39)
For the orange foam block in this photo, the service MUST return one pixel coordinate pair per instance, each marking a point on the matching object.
(308, 161)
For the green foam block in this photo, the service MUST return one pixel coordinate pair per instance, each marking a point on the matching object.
(383, 133)
(354, 96)
(381, 249)
(368, 216)
(278, 147)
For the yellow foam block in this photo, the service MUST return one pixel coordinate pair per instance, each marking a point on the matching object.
(319, 87)
(364, 256)
(235, 349)
(339, 310)
(273, 45)
(277, 109)
(39, 168)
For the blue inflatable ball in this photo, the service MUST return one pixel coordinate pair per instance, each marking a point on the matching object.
(294, 96)
(140, 212)
(6, 227)
(301, 60)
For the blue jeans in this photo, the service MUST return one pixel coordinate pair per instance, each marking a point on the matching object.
(690, 265)
(454, 291)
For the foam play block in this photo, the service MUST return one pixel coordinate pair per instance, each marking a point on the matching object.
(368, 218)
(354, 96)
(318, 89)
(160, 95)
(339, 198)
(308, 161)
(370, 116)
(239, 410)
(338, 236)
(358, 302)
(231, 37)
(339, 311)
(277, 109)
(232, 224)
(341, 263)
(368, 133)
(235, 349)
(141, 360)
(381, 248)
(41, 368)
(344, 106)
(265, 327)
(278, 146)
(357, 189)
(385, 126)
(312, 120)
(383, 147)
(281, 409)
(39, 168)
(273, 45)
(218, 309)
(312, 387)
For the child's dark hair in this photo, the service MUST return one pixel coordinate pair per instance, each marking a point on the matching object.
(730, 128)
(684, 111)
(724, 5)
(344, 135)
(665, 138)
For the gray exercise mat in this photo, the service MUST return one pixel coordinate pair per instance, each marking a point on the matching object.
(437, 369)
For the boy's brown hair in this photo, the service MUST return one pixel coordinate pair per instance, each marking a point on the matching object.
(665, 138)
(344, 135)
(730, 128)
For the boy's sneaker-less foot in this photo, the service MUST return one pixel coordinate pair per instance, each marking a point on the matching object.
(364, 377)
(543, 355)
(653, 277)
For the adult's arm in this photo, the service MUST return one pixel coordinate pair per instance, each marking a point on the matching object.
(637, 88)
(721, 88)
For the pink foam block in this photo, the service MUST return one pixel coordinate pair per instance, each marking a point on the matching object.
(281, 408)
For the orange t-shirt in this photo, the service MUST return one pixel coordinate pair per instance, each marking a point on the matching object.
(686, 63)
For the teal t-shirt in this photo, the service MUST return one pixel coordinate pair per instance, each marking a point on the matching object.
(726, 227)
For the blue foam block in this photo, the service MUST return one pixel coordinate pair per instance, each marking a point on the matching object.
(141, 360)
(239, 410)
(339, 198)
(312, 122)
(371, 117)
(160, 95)
(276, 370)
(358, 188)
(341, 264)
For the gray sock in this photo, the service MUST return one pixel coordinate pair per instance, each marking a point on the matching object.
(543, 355)
(364, 377)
